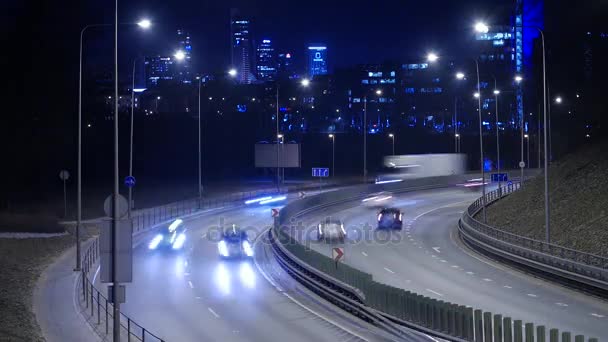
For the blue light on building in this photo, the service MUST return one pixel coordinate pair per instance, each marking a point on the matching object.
(265, 67)
(317, 60)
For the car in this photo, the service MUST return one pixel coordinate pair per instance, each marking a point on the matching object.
(391, 218)
(234, 243)
(377, 200)
(331, 230)
(173, 237)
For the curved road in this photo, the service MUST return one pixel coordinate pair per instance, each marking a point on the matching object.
(427, 257)
(192, 295)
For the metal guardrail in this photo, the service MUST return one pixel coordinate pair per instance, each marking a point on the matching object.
(581, 267)
(358, 293)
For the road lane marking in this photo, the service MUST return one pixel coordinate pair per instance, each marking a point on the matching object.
(213, 312)
(487, 279)
(434, 292)
(197, 297)
(561, 304)
(455, 266)
(442, 260)
(507, 287)
(191, 285)
(436, 249)
(470, 273)
(389, 270)
(597, 315)
(364, 254)
(532, 295)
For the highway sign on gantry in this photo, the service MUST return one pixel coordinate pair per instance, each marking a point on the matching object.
(274, 212)
(337, 253)
(320, 172)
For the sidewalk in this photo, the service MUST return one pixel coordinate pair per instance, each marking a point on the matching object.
(55, 297)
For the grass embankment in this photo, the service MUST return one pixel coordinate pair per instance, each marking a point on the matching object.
(21, 263)
(578, 191)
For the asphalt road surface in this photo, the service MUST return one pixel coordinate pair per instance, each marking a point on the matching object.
(192, 295)
(428, 258)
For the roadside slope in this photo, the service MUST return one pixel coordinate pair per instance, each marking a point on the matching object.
(578, 191)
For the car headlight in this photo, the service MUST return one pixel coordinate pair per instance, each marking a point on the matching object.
(222, 248)
(154, 243)
(179, 241)
(247, 248)
(400, 216)
(343, 231)
(319, 230)
(379, 217)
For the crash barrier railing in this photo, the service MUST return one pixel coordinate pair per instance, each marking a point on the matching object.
(573, 265)
(435, 317)
(100, 308)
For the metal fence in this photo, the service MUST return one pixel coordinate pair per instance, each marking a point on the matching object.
(101, 309)
(439, 318)
(569, 260)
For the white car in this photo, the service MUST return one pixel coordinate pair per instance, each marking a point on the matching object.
(331, 230)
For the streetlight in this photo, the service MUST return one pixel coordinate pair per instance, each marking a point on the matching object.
(496, 93)
(476, 95)
(333, 154)
(528, 148)
(481, 27)
(305, 82)
(179, 55)
(432, 57)
(232, 72)
(392, 136)
(377, 92)
(558, 100)
(144, 24)
(157, 99)
(518, 78)
(200, 168)
(460, 76)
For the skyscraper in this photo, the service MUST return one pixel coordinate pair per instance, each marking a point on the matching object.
(183, 69)
(317, 60)
(285, 65)
(240, 41)
(266, 65)
(159, 69)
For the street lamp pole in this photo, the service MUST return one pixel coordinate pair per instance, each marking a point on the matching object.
(131, 136)
(392, 136)
(547, 209)
(496, 92)
(333, 154)
(365, 139)
(115, 214)
(456, 124)
(200, 169)
(483, 175)
(277, 135)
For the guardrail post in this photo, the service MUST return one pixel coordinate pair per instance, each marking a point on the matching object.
(579, 338)
(478, 326)
(106, 316)
(443, 313)
(128, 329)
(460, 311)
(529, 332)
(517, 331)
(435, 315)
(451, 316)
(143, 335)
(98, 310)
(507, 329)
(91, 291)
(84, 284)
(553, 335)
(540, 333)
(498, 328)
(593, 339)
(468, 325)
(566, 336)
(487, 325)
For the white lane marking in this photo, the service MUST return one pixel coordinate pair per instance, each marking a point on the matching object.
(442, 260)
(433, 256)
(204, 235)
(197, 297)
(364, 254)
(389, 270)
(434, 292)
(507, 287)
(470, 273)
(487, 279)
(186, 273)
(431, 337)
(436, 249)
(455, 266)
(445, 206)
(597, 315)
(561, 304)
(532, 295)
(213, 312)
(191, 285)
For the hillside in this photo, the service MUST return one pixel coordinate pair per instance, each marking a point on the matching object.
(578, 201)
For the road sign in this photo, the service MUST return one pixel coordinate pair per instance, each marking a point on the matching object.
(274, 212)
(130, 181)
(124, 252)
(64, 175)
(123, 206)
(320, 172)
(302, 194)
(337, 253)
(522, 164)
(499, 177)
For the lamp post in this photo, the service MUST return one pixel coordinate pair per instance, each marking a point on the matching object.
(143, 24)
(392, 136)
(496, 93)
(115, 213)
(527, 137)
(457, 137)
(459, 76)
(131, 136)
(333, 155)
(378, 92)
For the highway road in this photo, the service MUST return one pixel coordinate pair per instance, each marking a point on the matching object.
(192, 295)
(427, 257)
